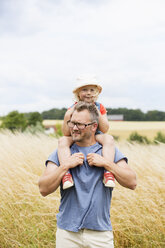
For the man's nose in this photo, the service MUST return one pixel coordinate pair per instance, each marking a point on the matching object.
(75, 127)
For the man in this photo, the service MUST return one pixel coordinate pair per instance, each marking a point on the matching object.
(83, 219)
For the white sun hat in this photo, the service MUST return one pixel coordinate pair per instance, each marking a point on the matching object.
(86, 81)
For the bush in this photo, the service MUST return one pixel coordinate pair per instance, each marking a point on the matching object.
(160, 138)
(138, 138)
(34, 129)
(34, 118)
(14, 121)
(58, 130)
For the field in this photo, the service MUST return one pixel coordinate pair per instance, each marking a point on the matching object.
(122, 129)
(29, 220)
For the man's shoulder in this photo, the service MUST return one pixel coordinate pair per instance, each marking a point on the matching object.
(53, 157)
(119, 156)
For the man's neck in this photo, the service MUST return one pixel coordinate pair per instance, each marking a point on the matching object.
(86, 143)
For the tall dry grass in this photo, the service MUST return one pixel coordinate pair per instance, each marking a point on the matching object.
(138, 216)
(28, 220)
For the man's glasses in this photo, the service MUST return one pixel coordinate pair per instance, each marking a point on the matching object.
(80, 126)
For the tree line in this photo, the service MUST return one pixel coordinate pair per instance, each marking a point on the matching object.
(15, 120)
(32, 121)
(129, 114)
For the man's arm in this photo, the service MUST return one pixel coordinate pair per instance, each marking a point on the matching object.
(123, 174)
(51, 178)
(53, 174)
(121, 170)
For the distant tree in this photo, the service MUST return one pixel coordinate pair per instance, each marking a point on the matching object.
(14, 121)
(135, 115)
(54, 114)
(155, 115)
(34, 118)
(129, 114)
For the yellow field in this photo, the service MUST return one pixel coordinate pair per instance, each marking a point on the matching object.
(51, 122)
(147, 128)
(29, 220)
(123, 129)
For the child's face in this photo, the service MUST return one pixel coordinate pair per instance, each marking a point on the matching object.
(87, 94)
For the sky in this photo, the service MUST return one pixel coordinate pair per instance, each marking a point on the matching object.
(46, 44)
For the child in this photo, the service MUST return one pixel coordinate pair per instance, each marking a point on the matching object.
(88, 91)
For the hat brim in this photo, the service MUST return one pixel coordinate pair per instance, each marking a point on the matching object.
(77, 89)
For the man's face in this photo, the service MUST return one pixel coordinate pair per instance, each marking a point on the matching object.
(79, 135)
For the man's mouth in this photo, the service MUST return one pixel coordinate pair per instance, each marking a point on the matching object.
(75, 132)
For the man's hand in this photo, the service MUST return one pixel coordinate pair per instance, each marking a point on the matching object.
(95, 159)
(74, 160)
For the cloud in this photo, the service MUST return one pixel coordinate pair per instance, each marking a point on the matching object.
(45, 45)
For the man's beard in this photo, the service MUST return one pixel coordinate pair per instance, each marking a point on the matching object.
(80, 136)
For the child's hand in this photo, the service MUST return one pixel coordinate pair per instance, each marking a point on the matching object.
(75, 159)
(96, 160)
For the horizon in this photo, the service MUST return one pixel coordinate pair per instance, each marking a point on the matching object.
(145, 112)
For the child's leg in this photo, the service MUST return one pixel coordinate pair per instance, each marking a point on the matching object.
(107, 142)
(64, 153)
(64, 144)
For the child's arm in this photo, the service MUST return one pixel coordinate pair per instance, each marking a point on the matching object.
(106, 140)
(65, 128)
(103, 123)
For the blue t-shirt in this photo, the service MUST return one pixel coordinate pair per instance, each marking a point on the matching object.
(87, 203)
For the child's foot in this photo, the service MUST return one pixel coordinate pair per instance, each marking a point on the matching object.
(67, 180)
(109, 180)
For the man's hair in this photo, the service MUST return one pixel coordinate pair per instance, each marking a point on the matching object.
(92, 109)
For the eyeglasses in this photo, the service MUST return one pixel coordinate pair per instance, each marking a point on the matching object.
(80, 126)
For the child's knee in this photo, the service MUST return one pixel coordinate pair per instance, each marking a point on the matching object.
(105, 139)
(109, 139)
(64, 141)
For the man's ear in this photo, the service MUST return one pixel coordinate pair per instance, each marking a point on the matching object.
(94, 127)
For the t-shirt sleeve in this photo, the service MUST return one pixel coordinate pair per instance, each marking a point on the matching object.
(119, 156)
(103, 110)
(72, 105)
(53, 158)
